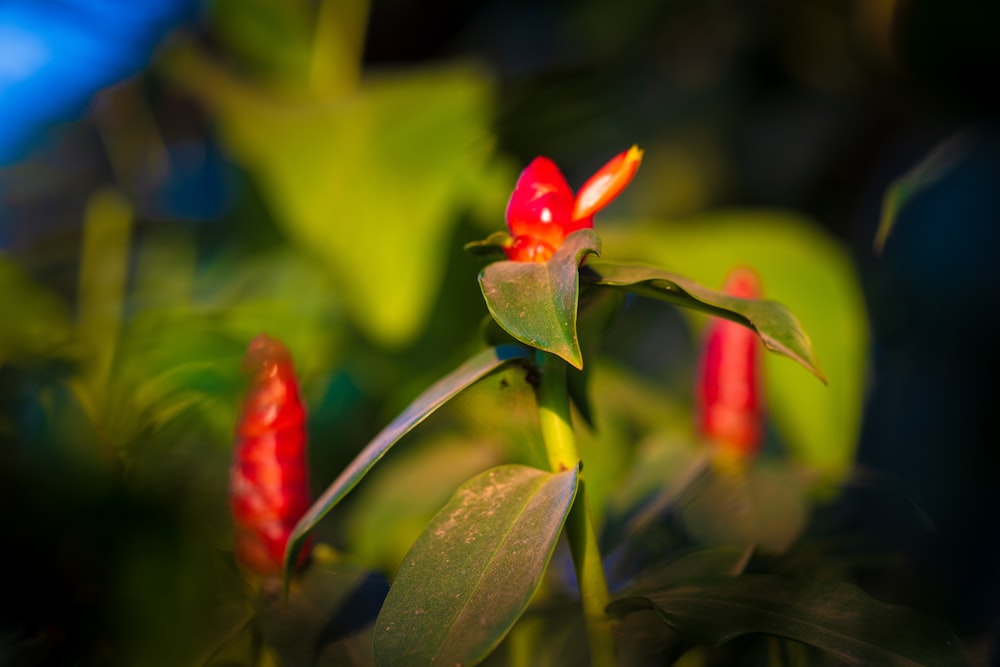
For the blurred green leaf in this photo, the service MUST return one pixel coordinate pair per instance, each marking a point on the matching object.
(774, 324)
(273, 39)
(935, 166)
(100, 308)
(40, 327)
(698, 565)
(422, 407)
(835, 617)
(472, 573)
(536, 302)
(183, 347)
(811, 274)
(765, 506)
(326, 619)
(371, 182)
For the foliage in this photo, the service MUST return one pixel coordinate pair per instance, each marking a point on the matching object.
(505, 472)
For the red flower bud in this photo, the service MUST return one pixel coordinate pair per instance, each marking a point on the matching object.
(542, 210)
(606, 184)
(729, 403)
(269, 478)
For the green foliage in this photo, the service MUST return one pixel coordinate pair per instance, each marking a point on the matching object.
(371, 184)
(423, 406)
(42, 327)
(494, 539)
(399, 498)
(536, 302)
(774, 324)
(835, 617)
(803, 269)
(354, 189)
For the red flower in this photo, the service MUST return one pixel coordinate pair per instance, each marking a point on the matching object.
(269, 479)
(729, 403)
(542, 210)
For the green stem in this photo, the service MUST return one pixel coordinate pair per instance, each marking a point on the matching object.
(560, 446)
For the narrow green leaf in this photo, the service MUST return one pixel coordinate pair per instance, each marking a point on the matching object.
(100, 307)
(471, 574)
(941, 161)
(536, 302)
(492, 247)
(835, 617)
(433, 398)
(776, 326)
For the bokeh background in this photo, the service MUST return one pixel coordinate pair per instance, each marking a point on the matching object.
(178, 176)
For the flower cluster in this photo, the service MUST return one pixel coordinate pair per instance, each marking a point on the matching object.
(543, 211)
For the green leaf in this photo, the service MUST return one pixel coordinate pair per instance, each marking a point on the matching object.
(433, 398)
(932, 168)
(471, 574)
(835, 617)
(42, 327)
(802, 267)
(391, 509)
(697, 565)
(536, 302)
(769, 497)
(777, 328)
(371, 183)
(492, 247)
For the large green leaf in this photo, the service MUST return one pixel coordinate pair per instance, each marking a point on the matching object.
(835, 617)
(471, 574)
(422, 407)
(536, 302)
(808, 271)
(776, 326)
(371, 182)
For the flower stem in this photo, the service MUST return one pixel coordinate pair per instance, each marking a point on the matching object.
(560, 446)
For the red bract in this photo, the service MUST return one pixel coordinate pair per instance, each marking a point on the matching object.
(543, 211)
(269, 479)
(730, 408)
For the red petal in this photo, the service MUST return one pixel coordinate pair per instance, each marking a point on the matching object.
(529, 249)
(541, 203)
(606, 184)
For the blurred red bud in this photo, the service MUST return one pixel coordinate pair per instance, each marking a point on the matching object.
(269, 478)
(729, 388)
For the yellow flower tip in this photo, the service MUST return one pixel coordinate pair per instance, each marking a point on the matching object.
(609, 181)
(729, 463)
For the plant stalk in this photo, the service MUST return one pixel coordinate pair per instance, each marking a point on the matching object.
(560, 447)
